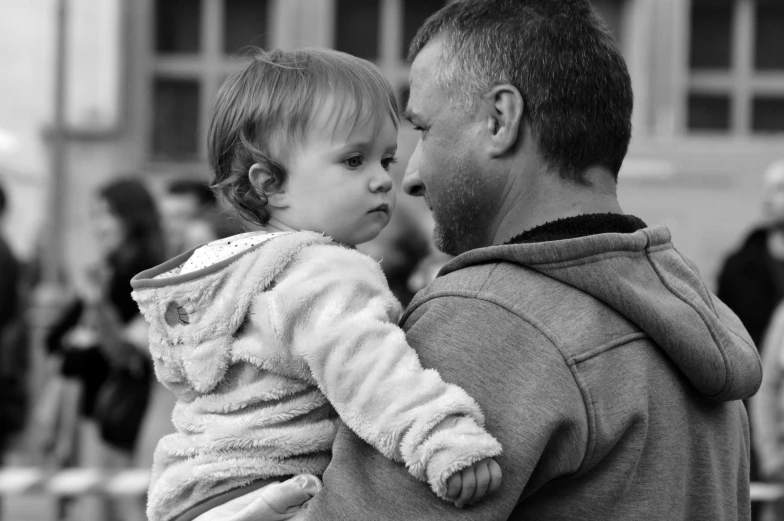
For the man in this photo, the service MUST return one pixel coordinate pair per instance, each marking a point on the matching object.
(609, 373)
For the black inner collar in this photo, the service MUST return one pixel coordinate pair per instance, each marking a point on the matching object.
(579, 226)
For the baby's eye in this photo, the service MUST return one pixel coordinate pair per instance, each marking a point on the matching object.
(353, 161)
(388, 161)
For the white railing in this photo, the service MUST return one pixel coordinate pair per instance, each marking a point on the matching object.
(16, 481)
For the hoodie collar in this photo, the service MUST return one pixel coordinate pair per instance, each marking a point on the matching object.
(579, 226)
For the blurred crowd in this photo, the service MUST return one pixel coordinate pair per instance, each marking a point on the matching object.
(98, 403)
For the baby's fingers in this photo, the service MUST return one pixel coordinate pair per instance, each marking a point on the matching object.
(482, 474)
(453, 486)
(469, 486)
(495, 476)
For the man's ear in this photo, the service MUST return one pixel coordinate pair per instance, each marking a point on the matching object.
(266, 178)
(505, 108)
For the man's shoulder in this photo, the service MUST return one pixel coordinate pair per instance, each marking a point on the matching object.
(493, 296)
(507, 296)
(499, 282)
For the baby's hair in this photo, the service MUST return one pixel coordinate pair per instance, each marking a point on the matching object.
(264, 110)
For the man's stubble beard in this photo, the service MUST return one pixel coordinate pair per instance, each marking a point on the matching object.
(460, 220)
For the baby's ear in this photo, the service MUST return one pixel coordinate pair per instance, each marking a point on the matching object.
(267, 179)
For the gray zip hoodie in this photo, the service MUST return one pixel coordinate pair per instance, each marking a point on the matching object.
(605, 367)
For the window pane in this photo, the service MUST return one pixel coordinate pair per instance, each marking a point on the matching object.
(415, 12)
(246, 24)
(611, 12)
(769, 49)
(711, 30)
(177, 25)
(175, 119)
(709, 112)
(768, 115)
(357, 27)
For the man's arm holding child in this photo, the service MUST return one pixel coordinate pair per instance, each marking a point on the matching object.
(531, 403)
(334, 310)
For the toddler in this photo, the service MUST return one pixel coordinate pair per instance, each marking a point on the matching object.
(268, 339)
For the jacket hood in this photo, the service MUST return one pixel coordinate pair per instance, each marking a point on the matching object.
(644, 278)
(194, 317)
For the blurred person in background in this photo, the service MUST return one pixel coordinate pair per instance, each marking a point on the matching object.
(12, 352)
(751, 282)
(13, 344)
(192, 216)
(754, 278)
(767, 415)
(101, 340)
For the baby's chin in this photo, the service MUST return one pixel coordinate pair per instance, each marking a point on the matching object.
(359, 239)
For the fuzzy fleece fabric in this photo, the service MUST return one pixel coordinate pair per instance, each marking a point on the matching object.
(264, 348)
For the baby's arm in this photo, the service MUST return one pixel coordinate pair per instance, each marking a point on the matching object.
(334, 309)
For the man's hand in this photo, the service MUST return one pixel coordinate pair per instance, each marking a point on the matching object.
(275, 502)
(470, 485)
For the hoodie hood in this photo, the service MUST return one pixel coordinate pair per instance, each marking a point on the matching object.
(644, 278)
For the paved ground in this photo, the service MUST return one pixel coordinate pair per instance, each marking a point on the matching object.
(41, 507)
(31, 508)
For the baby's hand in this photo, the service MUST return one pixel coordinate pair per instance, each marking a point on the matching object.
(473, 483)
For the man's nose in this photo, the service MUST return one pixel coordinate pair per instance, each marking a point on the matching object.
(412, 183)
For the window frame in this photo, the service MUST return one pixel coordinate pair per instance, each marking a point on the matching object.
(741, 82)
(208, 67)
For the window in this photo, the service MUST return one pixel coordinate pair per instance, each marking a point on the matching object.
(736, 67)
(245, 23)
(611, 12)
(196, 43)
(709, 112)
(357, 27)
(415, 12)
(381, 31)
(768, 54)
(711, 32)
(176, 119)
(177, 26)
(768, 114)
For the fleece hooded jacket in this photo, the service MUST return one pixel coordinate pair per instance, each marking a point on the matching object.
(605, 367)
(262, 348)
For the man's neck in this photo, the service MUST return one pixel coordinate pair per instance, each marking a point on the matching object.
(549, 197)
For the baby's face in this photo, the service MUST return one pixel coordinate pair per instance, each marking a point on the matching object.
(338, 180)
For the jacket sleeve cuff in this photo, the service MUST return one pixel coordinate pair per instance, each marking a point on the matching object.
(450, 450)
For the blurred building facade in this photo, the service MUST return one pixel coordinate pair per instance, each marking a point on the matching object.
(142, 76)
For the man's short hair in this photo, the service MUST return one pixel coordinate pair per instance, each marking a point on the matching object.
(561, 57)
(200, 190)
